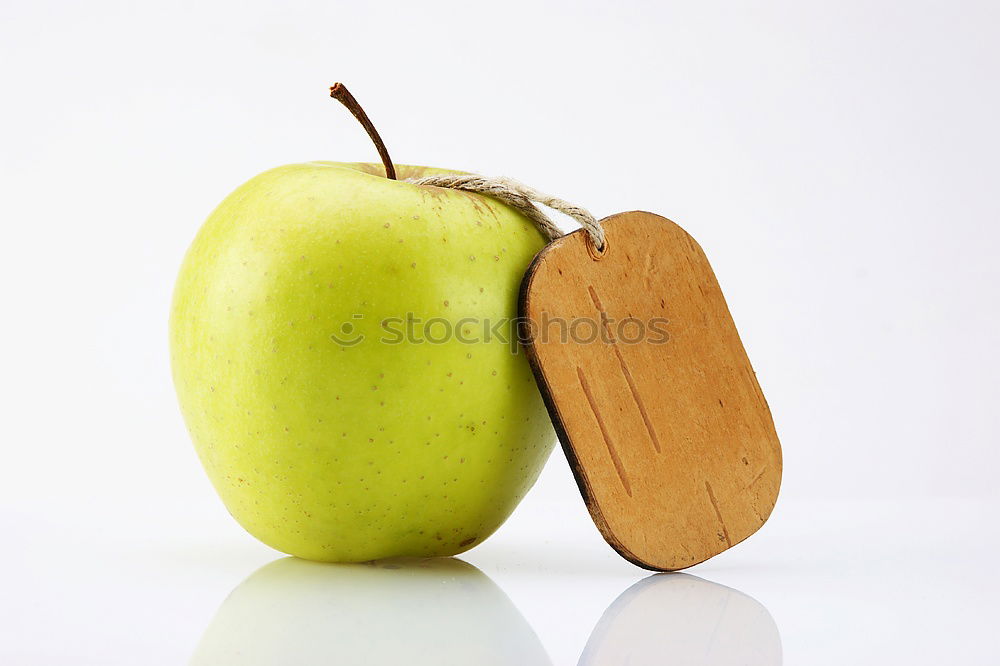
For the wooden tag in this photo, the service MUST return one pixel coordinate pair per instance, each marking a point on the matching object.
(668, 434)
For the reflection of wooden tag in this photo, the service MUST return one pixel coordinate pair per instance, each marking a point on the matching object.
(666, 429)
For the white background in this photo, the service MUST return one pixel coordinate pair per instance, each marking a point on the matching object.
(838, 162)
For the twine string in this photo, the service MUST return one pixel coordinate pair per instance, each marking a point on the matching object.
(523, 198)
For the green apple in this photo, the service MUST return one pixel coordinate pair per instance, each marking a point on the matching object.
(435, 612)
(329, 430)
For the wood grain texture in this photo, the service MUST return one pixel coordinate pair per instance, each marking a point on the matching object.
(669, 437)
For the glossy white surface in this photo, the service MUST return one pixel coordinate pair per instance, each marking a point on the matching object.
(823, 583)
(836, 160)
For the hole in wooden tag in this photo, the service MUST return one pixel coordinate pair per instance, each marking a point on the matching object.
(595, 252)
(661, 416)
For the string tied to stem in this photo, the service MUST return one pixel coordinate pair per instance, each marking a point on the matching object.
(523, 198)
(511, 192)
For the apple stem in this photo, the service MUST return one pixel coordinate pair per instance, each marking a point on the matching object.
(339, 92)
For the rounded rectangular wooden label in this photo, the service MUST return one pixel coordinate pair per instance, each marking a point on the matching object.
(651, 391)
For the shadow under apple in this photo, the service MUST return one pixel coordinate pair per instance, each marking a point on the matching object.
(434, 611)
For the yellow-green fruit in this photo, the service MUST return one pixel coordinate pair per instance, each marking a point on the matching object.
(329, 431)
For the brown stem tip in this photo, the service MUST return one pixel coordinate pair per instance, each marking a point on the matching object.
(339, 92)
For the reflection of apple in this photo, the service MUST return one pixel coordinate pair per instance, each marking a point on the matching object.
(439, 612)
(680, 619)
(335, 449)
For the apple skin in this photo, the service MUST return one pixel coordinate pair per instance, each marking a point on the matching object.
(347, 453)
